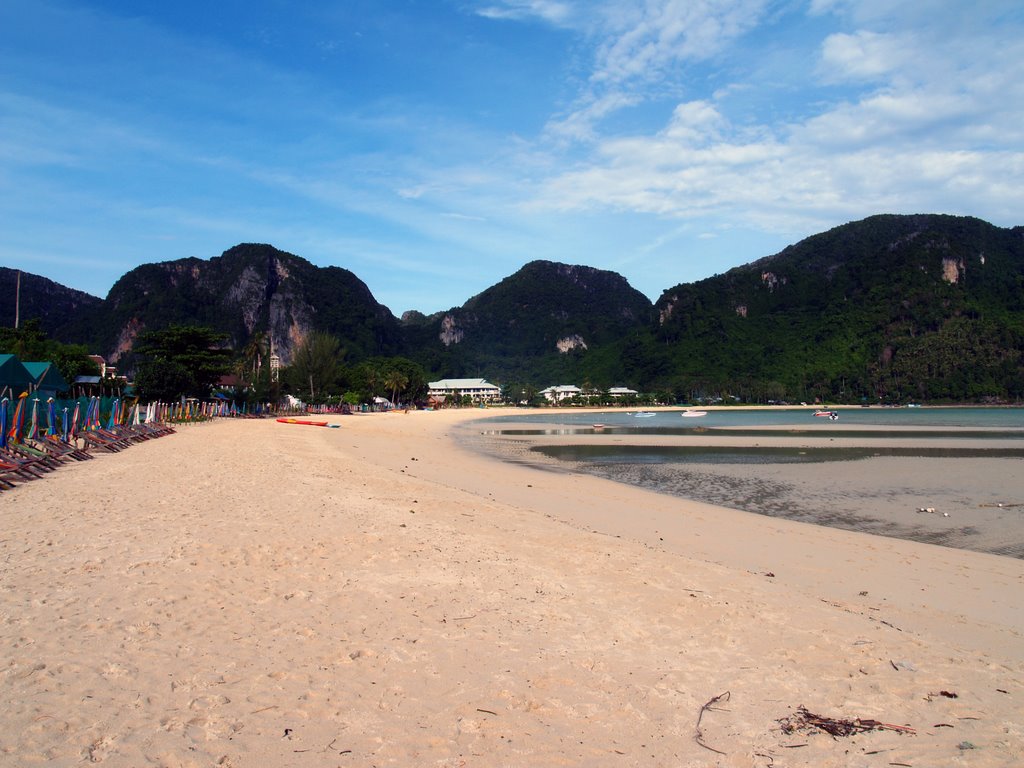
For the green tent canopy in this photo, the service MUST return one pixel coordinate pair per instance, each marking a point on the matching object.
(14, 377)
(47, 380)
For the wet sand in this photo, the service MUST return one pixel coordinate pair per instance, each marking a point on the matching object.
(252, 593)
(970, 501)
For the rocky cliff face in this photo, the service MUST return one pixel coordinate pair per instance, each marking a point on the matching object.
(249, 289)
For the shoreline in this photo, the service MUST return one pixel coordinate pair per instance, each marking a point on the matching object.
(247, 592)
(867, 491)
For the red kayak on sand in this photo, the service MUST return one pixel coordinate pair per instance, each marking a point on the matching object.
(305, 422)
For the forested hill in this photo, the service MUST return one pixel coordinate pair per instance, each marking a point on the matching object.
(899, 307)
(547, 322)
(60, 310)
(894, 307)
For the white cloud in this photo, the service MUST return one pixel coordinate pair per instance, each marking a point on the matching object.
(918, 116)
(550, 11)
(661, 34)
(579, 124)
(863, 55)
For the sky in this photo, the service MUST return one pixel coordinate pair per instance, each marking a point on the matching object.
(434, 147)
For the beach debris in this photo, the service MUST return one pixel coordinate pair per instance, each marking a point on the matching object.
(929, 510)
(805, 720)
(904, 665)
(965, 745)
(770, 575)
(709, 706)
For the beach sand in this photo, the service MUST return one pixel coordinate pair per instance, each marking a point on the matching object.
(248, 593)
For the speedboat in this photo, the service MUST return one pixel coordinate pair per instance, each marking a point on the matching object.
(827, 414)
(690, 413)
(643, 414)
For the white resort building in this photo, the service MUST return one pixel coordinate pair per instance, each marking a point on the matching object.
(621, 392)
(480, 390)
(568, 391)
(561, 392)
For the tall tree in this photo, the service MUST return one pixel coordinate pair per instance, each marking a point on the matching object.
(316, 364)
(395, 381)
(254, 353)
(180, 361)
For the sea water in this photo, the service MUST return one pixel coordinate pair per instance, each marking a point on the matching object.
(673, 422)
(743, 477)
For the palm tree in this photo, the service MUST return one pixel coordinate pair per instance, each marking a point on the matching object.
(395, 380)
(254, 353)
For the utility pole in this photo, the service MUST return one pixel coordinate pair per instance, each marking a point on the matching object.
(17, 301)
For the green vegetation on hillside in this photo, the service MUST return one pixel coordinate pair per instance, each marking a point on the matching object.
(891, 308)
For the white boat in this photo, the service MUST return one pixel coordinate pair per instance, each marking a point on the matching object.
(690, 413)
(643, 414)
(827, 414)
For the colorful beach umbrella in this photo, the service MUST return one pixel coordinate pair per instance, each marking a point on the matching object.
(33, 425)
(112, 421)
(92, 414)
(18, 422)
(65, 426)
(74, 419)
(3, 423)
(51, 417)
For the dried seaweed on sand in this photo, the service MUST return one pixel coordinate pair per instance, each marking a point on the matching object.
(804, 720)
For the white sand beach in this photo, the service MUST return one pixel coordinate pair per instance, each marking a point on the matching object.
(249, 593)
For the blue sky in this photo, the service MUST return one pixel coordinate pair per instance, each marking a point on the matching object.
(433, 147)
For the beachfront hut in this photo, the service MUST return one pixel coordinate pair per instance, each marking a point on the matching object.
(47, 380)
(14, 377)
(86, 386)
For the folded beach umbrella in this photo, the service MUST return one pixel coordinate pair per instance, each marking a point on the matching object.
(51, 417)
(18, 422)
(112, 420)
(65, 426)
(74, 419)
(33, 425)
(3, 423)
(92, 414)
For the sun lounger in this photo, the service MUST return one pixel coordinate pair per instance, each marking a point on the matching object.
(28, 451)
(96, 439)
(25, 468)
(54, 446)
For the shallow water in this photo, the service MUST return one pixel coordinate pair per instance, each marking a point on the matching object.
(801, 483)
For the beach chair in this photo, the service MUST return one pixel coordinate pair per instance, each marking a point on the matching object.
(17, 466)
(54, 446)
(101, 439)
(28, 451)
